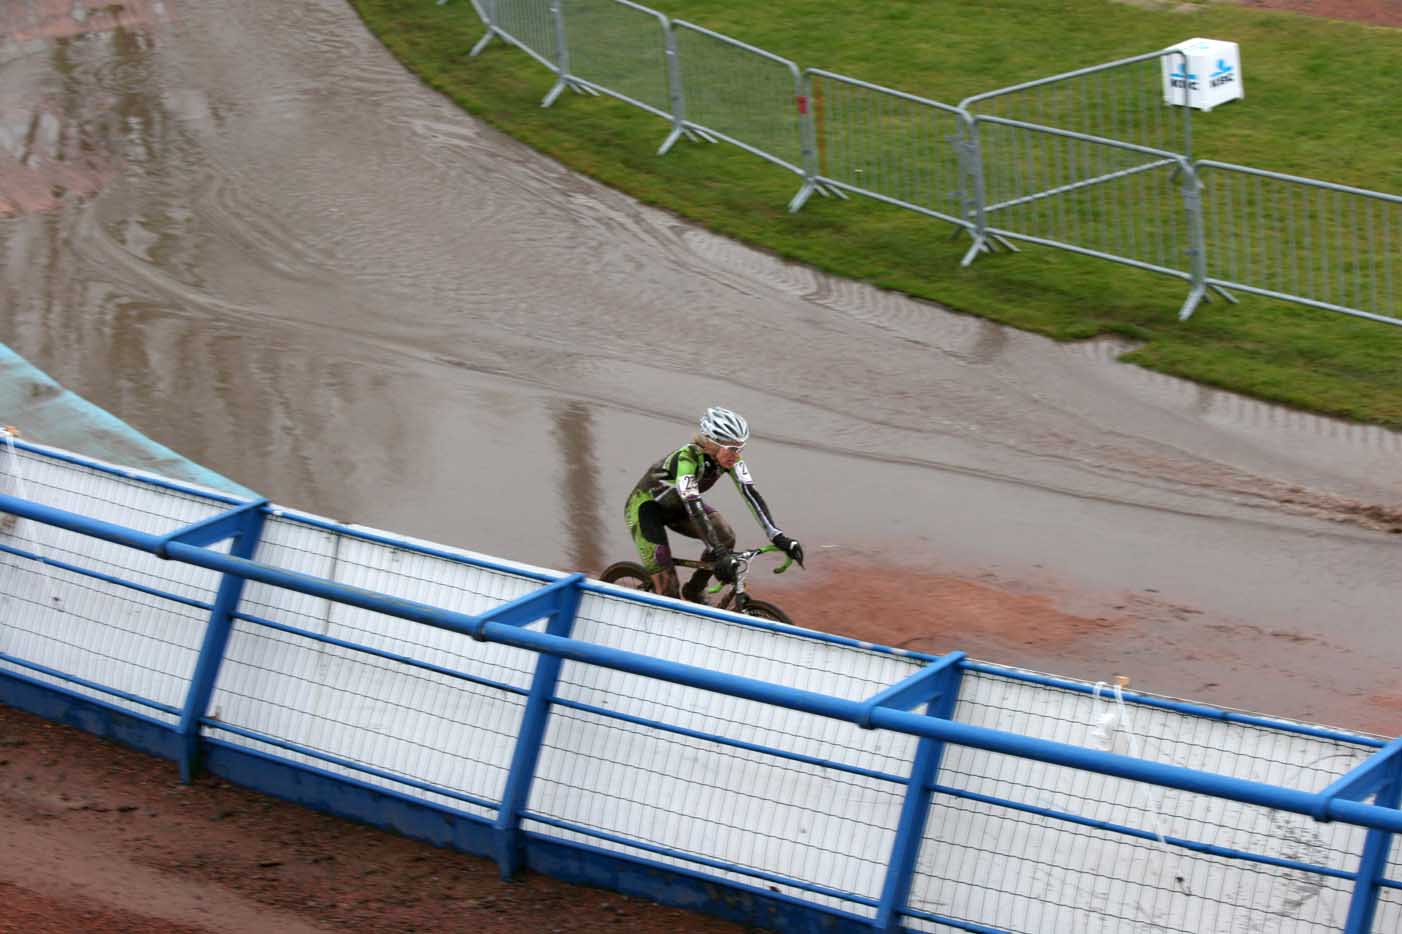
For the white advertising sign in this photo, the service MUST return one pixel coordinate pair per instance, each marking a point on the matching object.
(1211, 76)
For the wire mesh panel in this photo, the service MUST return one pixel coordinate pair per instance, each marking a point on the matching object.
(752, 793)
(1121, 101)
(1087, 161)
(449, 721)
(739, 93)
(529, 25)
(620, 48)
(752, 651)
(77, 614)
(886, 144)
(1303, 240)
(1025, 846)
(1093, 196)
(1014, 872)
(738, 814)
(1389, 916)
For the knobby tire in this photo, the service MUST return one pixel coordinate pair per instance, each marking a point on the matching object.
(761, 609)
(628, 574)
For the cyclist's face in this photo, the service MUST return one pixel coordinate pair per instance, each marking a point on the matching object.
(727, 455)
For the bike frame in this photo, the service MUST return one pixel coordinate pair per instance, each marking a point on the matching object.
(737, 592)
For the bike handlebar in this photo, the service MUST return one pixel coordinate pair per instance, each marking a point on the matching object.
(744, 557)
(788, 559)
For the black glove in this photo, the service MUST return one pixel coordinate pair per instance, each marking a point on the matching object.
(790, 547)
(726, 567)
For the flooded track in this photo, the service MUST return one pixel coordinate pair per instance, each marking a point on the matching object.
(247, 231)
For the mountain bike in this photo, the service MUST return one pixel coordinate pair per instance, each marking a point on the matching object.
(736, 595)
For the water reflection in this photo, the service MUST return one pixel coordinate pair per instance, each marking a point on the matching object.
(23, 21)
(578, 469)
(52, 139)
(992, 340)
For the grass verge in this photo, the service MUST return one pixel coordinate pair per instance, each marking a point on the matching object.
(1322, 100)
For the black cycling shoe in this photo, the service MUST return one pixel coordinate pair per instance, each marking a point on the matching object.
(694, 590)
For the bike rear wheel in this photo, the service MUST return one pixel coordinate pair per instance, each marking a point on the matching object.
(761, 609)
(628, 574)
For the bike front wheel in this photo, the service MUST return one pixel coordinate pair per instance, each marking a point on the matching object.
(760, 609)
(628, 574)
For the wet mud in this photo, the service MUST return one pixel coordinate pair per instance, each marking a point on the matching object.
(100, 838)
(1158, 645)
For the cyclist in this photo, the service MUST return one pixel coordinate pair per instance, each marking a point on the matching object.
(669, 497)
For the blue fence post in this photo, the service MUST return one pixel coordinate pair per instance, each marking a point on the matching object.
(905, 851)
(534, 719)
(1373, 864)
(249, 525)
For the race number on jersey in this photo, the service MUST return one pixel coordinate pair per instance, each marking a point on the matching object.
(688, 486)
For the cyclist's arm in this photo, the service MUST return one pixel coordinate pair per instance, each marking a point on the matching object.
(688, 484)
(745, 483)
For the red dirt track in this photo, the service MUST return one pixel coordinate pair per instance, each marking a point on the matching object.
(1375, 12)
(99, 838)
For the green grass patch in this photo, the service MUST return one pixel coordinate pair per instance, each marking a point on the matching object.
(1321, 103)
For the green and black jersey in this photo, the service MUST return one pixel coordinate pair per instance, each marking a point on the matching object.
(677, 481)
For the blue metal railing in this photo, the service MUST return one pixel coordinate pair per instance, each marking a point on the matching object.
(936, 687)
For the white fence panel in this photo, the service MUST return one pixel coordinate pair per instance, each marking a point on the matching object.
(1025, 871)
(103, 632)
(737, 806)
(390, 715)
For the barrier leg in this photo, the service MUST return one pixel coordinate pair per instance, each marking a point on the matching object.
(528, 741)
(482, 43)
(1373, 865)
(915, 811)
(1190, 305)
(216, 640)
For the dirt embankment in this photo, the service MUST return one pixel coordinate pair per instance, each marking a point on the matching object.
(99, 838)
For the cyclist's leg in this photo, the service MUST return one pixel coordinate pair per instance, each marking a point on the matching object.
(650, 538)
(696, 586)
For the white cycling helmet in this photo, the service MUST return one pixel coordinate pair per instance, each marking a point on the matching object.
(724, 426)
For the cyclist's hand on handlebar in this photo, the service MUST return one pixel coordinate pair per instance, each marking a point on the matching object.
(726, 568)
(790, 547)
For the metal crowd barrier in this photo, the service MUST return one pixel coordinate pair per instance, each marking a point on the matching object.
(1122, 214)
(1092, 161)
(1054, 155)
(623, 50)
(746, 96)
(888, 145)
(772, 775)
(1301, 240)
(1120, 100)
(533, 26)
